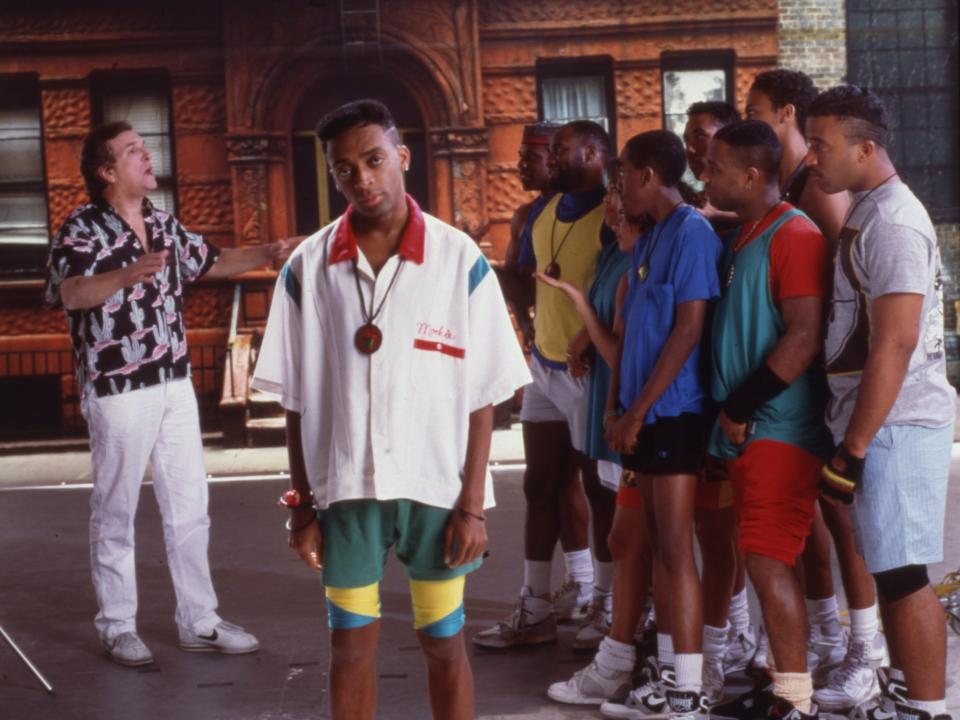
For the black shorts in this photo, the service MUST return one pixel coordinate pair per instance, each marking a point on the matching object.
(670, 446)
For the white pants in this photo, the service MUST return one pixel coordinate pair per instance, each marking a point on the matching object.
(159, 425)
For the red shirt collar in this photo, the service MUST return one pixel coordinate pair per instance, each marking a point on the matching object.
(411, 243)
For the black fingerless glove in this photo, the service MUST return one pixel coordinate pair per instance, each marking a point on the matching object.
(840, 477)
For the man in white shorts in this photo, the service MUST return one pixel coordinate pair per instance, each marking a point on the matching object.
(564, 243)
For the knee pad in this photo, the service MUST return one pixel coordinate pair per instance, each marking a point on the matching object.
(349, 608)
(896, 584)
(438, 606)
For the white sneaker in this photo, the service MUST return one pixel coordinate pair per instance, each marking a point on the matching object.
(532, 622)
(854, 681)
(572, 600)
(128, 649)
(825, 652)
(597, 627)
(741, 647)
(713, 679)
(647, 702)
(591, 686)
(225, 638)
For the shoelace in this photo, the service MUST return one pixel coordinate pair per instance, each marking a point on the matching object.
(518, 616)
(568, 586)
(597, 614)
(852, 661)
(126, 640)
(229, 627)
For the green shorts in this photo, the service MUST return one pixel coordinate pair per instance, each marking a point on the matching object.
(358, 534)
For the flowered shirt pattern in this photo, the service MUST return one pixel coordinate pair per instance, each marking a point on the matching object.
(136, 338)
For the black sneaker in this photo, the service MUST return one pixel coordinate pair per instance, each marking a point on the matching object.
(782, 709)
(753, 704)
(908, 712)
(883, 707)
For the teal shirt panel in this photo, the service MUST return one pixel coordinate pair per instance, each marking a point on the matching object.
(746, 326)
(611, 266)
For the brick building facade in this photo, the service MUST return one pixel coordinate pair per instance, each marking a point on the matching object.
(230, 93)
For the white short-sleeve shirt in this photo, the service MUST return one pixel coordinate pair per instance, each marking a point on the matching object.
(391, 425)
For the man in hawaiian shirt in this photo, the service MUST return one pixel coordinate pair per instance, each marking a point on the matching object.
(118, 266)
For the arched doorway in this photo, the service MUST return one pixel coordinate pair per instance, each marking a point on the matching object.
(316, 201)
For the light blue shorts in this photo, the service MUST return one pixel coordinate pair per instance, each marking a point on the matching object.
(898, 510)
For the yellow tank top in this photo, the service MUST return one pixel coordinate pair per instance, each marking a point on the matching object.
(556, 320)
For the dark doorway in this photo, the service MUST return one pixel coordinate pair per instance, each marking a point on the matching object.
(317, 202)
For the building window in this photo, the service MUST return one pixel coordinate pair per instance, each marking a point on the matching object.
(145, 104)
(581, 90)
(908, 57)
(686, 79)
(24, 231)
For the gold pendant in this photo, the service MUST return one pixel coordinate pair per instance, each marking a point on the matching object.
(642, 272)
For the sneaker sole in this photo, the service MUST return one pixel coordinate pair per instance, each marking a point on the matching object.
(502, 645)
(222, 651)
(565, 700)
(128, 663)
(583, 646)
(633, 715)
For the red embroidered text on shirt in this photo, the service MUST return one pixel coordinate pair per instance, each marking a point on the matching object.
(427, 330)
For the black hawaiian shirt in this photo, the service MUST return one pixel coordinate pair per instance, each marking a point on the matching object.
(136, 338)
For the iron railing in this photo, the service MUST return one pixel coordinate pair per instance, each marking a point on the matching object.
(42, 399)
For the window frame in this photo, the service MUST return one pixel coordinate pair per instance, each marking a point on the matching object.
(23, 260)
(587, 66)
(104, 82)
(672, 60)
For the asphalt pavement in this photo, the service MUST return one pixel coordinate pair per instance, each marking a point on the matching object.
(47, 605)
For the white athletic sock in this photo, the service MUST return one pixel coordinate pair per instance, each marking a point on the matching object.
(689, 668)
(934, 707)
(616, 656)
(603, 577)
(665, 649)
(797, 688)
(579, 564)
(825, 613)
(715, 641)
(739, 613)
(536, 576)
(865, 623)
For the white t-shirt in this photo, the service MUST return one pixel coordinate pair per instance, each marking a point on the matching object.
(887, 245)
(394, 424)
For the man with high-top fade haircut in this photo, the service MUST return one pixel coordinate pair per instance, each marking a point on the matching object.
(389, 343)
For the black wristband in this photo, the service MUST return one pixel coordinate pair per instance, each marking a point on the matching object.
(755, 392)
(854, 465)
